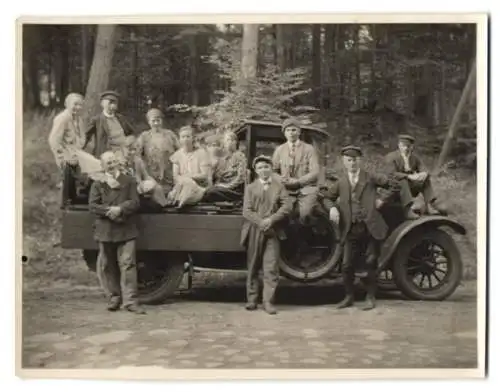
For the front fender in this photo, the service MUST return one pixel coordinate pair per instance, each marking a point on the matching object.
(392, 242)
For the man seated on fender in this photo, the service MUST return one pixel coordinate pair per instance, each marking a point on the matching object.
(297, 165)
(414, 178)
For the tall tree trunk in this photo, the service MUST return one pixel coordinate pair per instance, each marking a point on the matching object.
(31, 88)
(204, 87)
(316, 64)
(330, 51)
(385, 65)
(456, 117)
(62, 64)
(281, 47)
(293, 39)
(249, 51)
(193, 69)
(85, 57)
(373, 63)
(107, 36)
(356, 29)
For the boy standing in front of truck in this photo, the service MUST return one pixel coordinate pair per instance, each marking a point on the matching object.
(266, 204)
(114, 201)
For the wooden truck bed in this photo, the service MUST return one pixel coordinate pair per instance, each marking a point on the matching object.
(195, 230)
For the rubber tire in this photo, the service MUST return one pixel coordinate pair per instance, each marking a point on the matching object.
(403, 250)
(324, 271)
(174, 274)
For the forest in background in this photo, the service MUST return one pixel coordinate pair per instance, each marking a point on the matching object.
(362, 82)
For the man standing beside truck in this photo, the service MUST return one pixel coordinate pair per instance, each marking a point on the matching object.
(266, 204)
(114, 201)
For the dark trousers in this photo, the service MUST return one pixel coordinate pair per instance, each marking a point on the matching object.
(425, 188)
(409, 190)
(262, 255)
(303, 205)
(218, 193)
(357, 240)
(117, 270)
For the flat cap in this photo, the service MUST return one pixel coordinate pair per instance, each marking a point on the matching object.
(154, 112)
(109, 94)
(262, 158)
(290, 122)
(351, 151)
(406, 137)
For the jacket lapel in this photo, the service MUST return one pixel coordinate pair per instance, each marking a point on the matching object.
(400, 164)
(345, 187)
(274, 190)
(124, 124)
(362, 180)
(104, 124)
(299, 151)
(114, 193)
(413, 163)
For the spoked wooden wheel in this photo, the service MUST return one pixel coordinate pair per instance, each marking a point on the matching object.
(428, 265)
(385, 280)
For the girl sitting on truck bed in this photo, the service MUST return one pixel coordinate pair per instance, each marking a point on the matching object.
(191, 171)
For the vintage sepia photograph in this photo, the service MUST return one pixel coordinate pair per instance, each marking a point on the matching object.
(204, 195)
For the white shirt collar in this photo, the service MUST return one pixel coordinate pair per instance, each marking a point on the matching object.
(294, 144)
(265, 182)
(108, 115)
(354, 175)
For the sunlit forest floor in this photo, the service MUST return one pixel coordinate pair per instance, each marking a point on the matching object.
(48, 264)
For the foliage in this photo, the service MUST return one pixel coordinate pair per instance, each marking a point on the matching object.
(271, 96)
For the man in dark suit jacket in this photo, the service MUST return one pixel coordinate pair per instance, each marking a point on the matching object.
(413, 176)
(354, 197)
(114, 201)
(265, 205)
(109, 128)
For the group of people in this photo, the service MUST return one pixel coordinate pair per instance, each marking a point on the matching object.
(170, 169)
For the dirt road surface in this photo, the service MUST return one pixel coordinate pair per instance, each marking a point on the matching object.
(209, 328)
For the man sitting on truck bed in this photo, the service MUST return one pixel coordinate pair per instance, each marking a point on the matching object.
(109, 128)
(297, 164)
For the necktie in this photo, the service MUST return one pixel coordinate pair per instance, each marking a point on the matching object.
(292, 160)
(354, 179)
(406, 160)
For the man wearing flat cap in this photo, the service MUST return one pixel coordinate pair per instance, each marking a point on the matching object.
(109, 128)
(352, 199)
(413, 176)
(297, 164)
(265, 205)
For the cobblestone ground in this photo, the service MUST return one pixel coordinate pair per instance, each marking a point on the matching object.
(209, 328)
